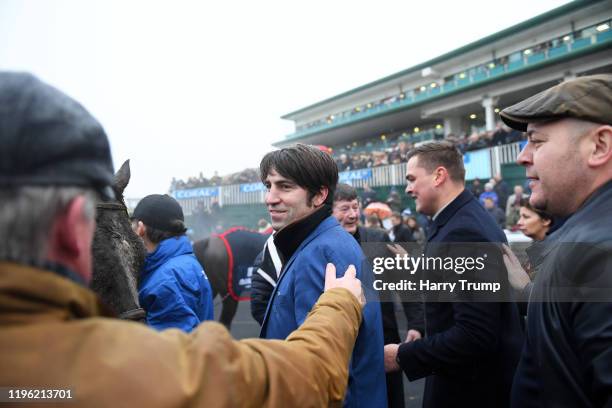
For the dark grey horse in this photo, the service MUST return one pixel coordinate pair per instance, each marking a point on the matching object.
(212, 253)
(118, 253)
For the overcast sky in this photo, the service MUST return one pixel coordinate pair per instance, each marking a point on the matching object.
(189, 86)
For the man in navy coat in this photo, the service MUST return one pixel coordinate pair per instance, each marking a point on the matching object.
(471, 349)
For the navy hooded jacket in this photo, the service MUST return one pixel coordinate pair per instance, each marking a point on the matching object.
(174, 289)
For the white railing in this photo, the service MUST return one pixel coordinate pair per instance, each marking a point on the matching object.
(390, 175)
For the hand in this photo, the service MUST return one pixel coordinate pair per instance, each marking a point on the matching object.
(391, 358)
(413, 335)
(348, 281)
(517, 276)
(397, 249)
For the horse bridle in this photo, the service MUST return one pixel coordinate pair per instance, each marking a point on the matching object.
(111, 206)
(136, 314)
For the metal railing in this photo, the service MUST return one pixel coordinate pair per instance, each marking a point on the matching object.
(390, 175)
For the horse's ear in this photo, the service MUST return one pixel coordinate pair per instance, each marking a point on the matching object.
(122, 178)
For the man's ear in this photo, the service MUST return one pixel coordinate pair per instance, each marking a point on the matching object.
(141, 229)
(321, 196)
(69, 227)
(601, 146)
(440, 175)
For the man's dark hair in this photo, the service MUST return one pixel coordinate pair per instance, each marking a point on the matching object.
(345, 192)
(307, 166)
(440, 153)
(156, 236)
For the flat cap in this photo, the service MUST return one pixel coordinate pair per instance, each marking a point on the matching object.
(49, 139)
(587, 98)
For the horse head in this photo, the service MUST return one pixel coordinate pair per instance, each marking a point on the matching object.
(118, 253)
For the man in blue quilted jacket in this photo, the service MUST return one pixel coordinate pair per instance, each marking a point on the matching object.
(300, 183)
(173, 287)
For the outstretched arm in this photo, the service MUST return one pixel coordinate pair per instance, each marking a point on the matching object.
(309, 368)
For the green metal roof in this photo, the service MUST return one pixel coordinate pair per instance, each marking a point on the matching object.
(549, 15)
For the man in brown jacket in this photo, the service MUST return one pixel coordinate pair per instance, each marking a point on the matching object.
(57, 342)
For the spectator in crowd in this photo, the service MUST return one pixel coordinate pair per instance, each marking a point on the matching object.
(380, 159)
(479, 341)
(202, 181)
(502, 189)
(488, 193)
(372, 221)
(344, 164)
(173, 184)
(495, 212)
(400, 232)
(399, 153)
(215, 208)
(568, 159)
(515, 136)
(201, 222)
(418, 234)
(535, 224)
(367, 195)
(513, 206)
(422, 220)
(500, 135)
(532, 222)
(346, 211)
(264, 227)
(55, 332)
(461, 142)
(172, 287)
(475, 142)
(394, 201)
(476, 188)
(360, 161)
(301, 181)
(487, 137)
(215, 180)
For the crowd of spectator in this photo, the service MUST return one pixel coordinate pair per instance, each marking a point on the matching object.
(393, 152)
(396, 151)
(241, 177)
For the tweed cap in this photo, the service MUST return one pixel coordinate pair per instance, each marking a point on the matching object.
(587, 98)
(49, 139)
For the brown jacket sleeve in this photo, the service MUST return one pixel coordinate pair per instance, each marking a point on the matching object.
(112, 363)
(309, 369)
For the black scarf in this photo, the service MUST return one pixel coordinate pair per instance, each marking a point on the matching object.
(288, 239)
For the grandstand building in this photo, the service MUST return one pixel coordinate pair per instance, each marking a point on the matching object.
(463, 89)
(455, 94)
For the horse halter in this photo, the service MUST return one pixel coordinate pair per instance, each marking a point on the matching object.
(111, 206)
(137, 314)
